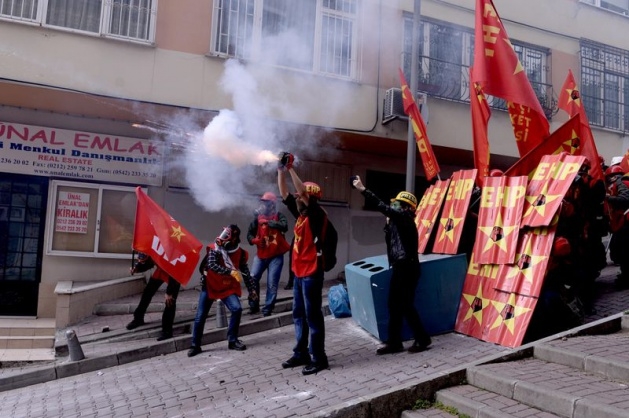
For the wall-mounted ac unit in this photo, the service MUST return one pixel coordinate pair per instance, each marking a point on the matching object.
(394, 107)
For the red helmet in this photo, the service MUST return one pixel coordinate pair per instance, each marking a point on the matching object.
(561, 247)
(496, 173)
(613, 170)
(313, 189)
(269, 196)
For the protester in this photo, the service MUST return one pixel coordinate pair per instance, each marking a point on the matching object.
(266, 232)
(308, 269)
(618, 202)
(223, 270)
(159, 277)
(402, 243)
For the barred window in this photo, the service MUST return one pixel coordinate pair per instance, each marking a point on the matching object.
(446, 52)
(122, 19)
(310, 35)
(605, 85)
(617, 6)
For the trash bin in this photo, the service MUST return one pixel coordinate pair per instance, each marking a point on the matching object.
(437, 295)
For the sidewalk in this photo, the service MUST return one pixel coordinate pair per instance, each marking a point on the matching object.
(357, 384)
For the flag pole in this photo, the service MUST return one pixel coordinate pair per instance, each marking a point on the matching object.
(411, 149)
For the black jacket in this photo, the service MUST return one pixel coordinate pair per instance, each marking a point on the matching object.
(400, 231)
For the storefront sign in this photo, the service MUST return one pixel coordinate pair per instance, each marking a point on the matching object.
(72, 212)
(39, 151)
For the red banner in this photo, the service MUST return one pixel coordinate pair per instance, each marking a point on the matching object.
(570, 101)
(565, 139)
(454, 212)
(547, 187)
(428, 210)
(508, 318)
(480, 119)
(624, 163)
(431, 167)
(170, 245)
(499, 72)
(500, 211)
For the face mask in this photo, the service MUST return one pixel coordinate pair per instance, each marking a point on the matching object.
(397, 206)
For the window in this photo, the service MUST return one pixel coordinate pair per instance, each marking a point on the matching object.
(618, 6)
(122, 19)
(91, 220)
(605, 85)
(310, 35)
(446, 52)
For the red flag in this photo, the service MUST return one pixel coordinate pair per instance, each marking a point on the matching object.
(624, 163)
(431, 167)
(499, 72)
(570, 101)
(480, 119)
(566, 138)
(170, 245)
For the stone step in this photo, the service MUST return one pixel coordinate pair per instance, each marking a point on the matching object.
(476, 402)
(26, 354)
(426, 413)
(606, 354)
(555, 388)
(31, 341)
(27, 333)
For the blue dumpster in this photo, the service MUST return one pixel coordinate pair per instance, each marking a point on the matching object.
(437, 295)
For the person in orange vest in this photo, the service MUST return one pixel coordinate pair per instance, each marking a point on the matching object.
(224, 268)
(266, 232)
(158, 278)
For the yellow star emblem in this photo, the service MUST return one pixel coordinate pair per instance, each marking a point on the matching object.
(177, 233)
(449, 226)
(538, 203)
(507, 313)
(499, 241)
(477, 303)
(570, 145)
(574, 96)
(525, 262)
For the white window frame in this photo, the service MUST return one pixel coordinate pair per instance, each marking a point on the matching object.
(604, 5)
(107, 9)
(252, 48)
(50, 222)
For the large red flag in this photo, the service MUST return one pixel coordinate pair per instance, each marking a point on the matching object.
(431, 167)
(170, 245)
(566, 138)
(499, 72)
(570, 101)
(480, 119)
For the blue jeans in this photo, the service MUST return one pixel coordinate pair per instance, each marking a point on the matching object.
(232, 302)
(308, 318)
(274, 267)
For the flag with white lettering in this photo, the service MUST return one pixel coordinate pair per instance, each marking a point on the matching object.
(170, 245)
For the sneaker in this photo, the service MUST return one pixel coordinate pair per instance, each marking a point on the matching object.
(134, 324)
(390, 349)
(165, 336)
(313, 368)
(267, 313)
(295, 361)
(419, 347)
(236, 345)
(194, 351)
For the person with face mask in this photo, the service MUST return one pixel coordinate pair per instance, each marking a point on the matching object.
(224, 268)
(308, 281)
(266, 232)
(401, 238)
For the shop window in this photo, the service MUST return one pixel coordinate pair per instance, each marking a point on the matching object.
(90, 220)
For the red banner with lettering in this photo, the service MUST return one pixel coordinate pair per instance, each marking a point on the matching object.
(170, 245)
(428, 210)
(499, 72)
(547, 187)
(431, 167)
(570, 101)
(454, 212)
(499, 215)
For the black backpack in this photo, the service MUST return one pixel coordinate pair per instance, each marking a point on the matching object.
(326, 245)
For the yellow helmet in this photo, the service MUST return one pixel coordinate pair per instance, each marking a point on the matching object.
(408, 198)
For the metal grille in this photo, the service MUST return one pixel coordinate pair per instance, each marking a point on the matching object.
(605, 85)
(20, 9)
(234, 27)
(131, 18)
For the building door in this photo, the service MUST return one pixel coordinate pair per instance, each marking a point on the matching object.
(22, 219)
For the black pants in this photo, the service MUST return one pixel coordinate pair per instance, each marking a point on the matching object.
(404, 279)
(168, 317)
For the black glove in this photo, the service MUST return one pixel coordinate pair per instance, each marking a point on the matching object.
(286, 160)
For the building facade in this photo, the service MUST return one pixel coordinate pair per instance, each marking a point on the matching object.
(99, 97)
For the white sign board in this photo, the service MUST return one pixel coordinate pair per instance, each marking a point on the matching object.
(50, 152)
(72, 212)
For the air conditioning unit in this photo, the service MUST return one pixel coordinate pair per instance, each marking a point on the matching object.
(394, 106)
